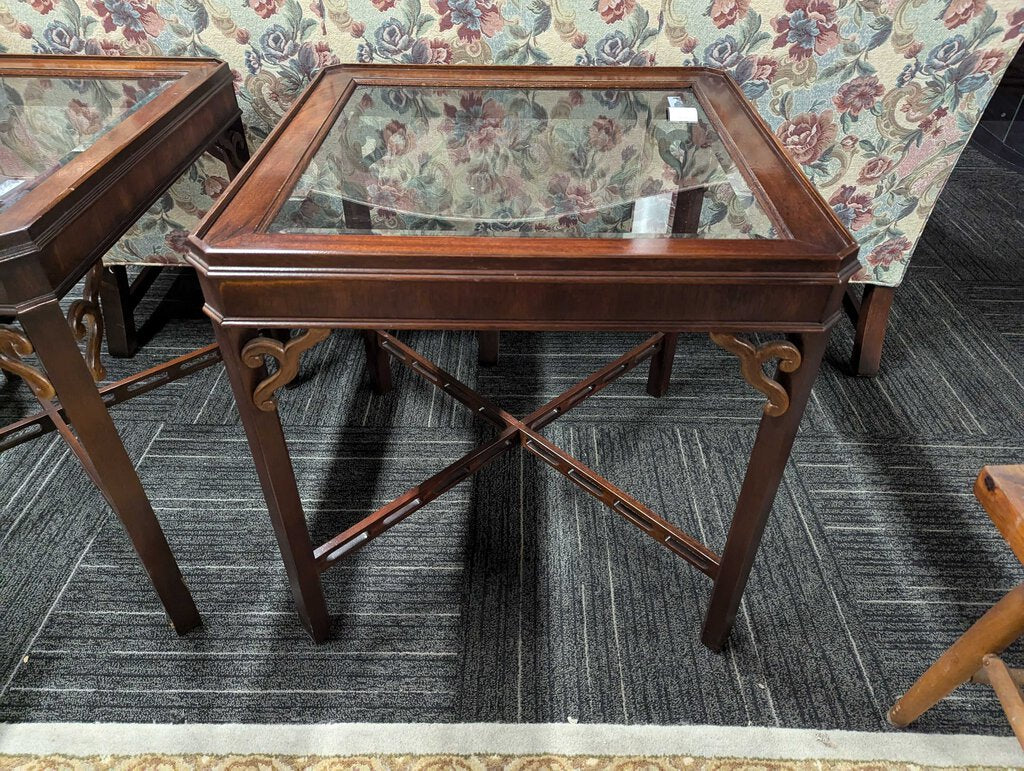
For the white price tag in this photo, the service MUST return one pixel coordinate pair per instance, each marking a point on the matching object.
(677, 111)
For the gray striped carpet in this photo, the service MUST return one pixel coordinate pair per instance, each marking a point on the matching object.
(515, 597)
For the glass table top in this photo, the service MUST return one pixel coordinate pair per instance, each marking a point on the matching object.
(574, 163)
(47, 121)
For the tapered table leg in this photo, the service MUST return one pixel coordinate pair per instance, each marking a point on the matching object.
(764, 473)
(104, 457)
(274, 467)
(378, 362)
(660, 374)
(488, 344)
(232, 148)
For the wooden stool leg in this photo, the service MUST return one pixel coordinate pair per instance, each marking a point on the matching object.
(489, 343)
(1001, 679)
(378, 363)
(118, 312)
(872, 322)
(992, 633)
(660, 374)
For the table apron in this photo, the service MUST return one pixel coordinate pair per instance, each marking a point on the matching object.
(510, 302)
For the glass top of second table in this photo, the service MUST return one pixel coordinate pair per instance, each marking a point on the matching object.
(542, 162)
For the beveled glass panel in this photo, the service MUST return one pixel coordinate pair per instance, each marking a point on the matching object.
(45, 122)
(523, 162)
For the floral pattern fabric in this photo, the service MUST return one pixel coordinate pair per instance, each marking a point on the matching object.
(529, 162)
(874, 98)
(45, 122)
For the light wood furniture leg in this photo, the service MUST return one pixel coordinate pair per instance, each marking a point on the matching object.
(1000, 489)
(992, 633)
(1004, 682)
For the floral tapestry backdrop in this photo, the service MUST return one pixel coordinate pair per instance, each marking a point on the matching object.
(874, 98)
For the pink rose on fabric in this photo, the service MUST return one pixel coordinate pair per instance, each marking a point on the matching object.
(1015, 21)
(853, 208)
(604, 133)
(571, 200)
(688, 45)
(213, 186)
(858, 94)
(264, 8)
(323, 56)
(357, 29)
(884, 255)
(177, 240)
(42, 6)
(875, 169)
(473, 18)
(807, 135)
(809, 28)
(383, 5)
(725, 13)
(136, 19)
(85, 118)
(990, 61)
(439, 52)
(765, 68)
(105, 48)
(396, 138)
(615, 10)
(959, 12)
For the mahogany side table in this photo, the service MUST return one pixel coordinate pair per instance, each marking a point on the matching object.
(532, 199)
(87, 145)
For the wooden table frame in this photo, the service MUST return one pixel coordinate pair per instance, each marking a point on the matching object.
(254, 279)
(58, 231)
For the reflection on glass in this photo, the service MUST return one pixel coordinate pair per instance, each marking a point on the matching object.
(523, 162)
(45, 122)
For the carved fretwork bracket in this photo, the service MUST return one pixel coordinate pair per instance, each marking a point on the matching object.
(287, 357)
(13, 346)
(752, 361)
(86, 322)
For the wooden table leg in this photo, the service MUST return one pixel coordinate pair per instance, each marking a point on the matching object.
(378, 362)
(232, 148)
(488, 344)
(872, 323)
(104, 457)
(764, 473)
(119, 312)
(660, 374)
(277, 477)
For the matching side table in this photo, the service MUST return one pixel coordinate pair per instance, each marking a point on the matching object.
(530, 199)
(87, 145)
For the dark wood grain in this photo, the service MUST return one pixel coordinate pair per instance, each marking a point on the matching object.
(60, 228)
(253, 278)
